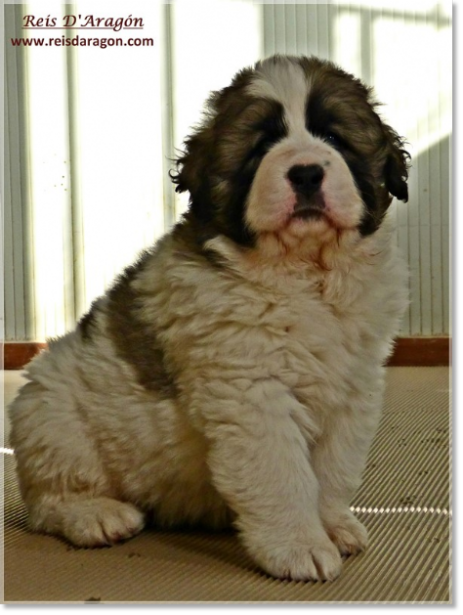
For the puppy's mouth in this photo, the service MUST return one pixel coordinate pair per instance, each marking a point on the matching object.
(309, 208)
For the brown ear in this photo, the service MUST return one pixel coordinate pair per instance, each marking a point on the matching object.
(197, 154)
(188, 175)
(191, 172)
(396, 166)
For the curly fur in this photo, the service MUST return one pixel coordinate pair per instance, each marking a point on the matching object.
(234, 374)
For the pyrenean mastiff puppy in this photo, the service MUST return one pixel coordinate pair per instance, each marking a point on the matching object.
(234, 374)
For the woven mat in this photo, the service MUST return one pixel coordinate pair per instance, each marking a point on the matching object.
(404, 502)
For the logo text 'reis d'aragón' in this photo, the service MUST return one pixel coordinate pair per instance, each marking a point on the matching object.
(87, 21)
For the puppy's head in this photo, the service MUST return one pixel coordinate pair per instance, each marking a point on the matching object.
(293, 147)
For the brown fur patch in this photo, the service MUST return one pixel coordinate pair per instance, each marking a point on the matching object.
(136, 342)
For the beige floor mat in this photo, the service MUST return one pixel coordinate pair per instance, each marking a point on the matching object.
(404, 502)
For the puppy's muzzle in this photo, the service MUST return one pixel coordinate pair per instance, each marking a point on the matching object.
(306, 181)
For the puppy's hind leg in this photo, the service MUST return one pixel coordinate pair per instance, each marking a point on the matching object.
(86, 521)
(64, 482)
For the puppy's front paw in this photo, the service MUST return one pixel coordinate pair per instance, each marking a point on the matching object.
(347, 533)
(308, 560)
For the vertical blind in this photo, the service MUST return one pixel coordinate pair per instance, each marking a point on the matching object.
(90, 135)
(404, 50)
(84, 190)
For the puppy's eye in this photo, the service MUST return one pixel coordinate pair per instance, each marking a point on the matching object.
(262, 146)
(265, 143)
(333, 139)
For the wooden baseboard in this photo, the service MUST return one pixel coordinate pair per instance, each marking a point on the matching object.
(421, 352)
(408, 351)
(18, 354)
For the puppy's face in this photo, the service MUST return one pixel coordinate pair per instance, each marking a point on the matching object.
(294, 148)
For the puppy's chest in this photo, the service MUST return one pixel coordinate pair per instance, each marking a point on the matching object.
(324, 310)
(321, 333)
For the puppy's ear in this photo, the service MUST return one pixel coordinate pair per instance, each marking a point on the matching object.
(187, 175)
(192, 172)
(396, 165)
(193, 165)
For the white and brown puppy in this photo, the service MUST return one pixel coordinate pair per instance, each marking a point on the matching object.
(234, 374)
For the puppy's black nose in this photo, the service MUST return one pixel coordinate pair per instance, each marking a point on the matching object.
(306, 179)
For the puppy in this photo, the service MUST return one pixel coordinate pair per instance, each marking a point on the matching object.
(234, 374)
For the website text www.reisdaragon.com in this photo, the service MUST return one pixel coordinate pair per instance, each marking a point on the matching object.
(80, 41)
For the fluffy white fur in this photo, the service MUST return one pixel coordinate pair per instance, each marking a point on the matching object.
(277, 363)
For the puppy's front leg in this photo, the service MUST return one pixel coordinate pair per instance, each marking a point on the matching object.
(260, 465)
(338, 461)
